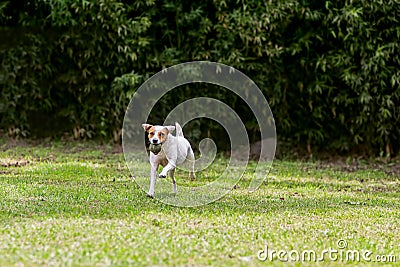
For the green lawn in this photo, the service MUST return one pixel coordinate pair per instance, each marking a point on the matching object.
(77, 205)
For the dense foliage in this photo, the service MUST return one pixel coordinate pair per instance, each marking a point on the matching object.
(329, 69)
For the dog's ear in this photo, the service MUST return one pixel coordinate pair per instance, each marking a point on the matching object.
(146, 126)
(170, 128)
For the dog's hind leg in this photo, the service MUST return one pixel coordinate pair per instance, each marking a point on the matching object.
(171, 174)
(190, 159)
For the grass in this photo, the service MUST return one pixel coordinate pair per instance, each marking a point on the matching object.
(77, 205)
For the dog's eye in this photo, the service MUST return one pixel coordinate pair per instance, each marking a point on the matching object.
(151, 134)
(162, 134)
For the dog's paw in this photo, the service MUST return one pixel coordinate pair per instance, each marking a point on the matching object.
(162, 176)
(150, 195)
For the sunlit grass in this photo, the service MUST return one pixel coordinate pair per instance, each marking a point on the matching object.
(80, 206)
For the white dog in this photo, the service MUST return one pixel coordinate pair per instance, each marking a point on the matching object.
(168, 151)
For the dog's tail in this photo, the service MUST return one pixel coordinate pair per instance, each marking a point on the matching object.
(178, 130)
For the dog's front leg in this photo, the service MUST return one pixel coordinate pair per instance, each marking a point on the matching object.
(166, 169)
(153, 179)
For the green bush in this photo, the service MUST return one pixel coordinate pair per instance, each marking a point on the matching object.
(68, 66)
(330, 70)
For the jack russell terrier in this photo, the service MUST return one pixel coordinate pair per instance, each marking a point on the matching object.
(168, 151)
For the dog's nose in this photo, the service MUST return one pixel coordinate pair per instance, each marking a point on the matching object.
(155, 141)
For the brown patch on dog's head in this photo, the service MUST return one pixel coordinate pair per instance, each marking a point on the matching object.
(163, 134)
(159, 133)
(147, 127)
(150, 129)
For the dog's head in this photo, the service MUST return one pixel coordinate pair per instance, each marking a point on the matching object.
(157, 134)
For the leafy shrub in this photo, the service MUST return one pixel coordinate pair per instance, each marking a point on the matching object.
(330, 69)
(62, 67)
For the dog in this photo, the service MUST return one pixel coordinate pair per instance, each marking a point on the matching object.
(168, 151)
